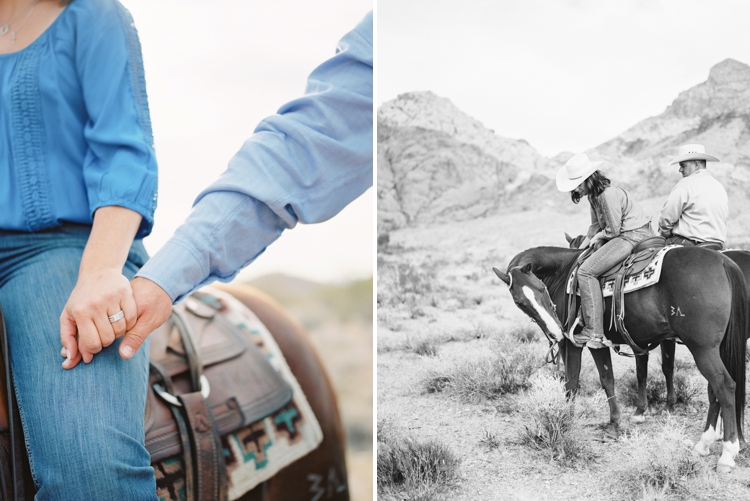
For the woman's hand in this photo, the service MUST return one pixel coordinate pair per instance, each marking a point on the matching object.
(101, 290)
(84, 324)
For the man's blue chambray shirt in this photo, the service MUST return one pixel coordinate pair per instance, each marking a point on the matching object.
(305, 163)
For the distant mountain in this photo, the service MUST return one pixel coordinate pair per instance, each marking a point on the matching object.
(437, 164)
(715, 113)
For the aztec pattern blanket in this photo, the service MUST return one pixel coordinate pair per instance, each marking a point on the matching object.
(644, 278)
(255, 453)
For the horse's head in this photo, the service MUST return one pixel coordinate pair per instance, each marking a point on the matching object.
(574, 243)
(532, 297)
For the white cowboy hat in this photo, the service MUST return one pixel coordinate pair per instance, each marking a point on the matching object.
(693, 152)
(575, 171)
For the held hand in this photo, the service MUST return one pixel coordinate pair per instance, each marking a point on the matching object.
(597, 243)
(154, 308)
(84, 324)
(585, 243)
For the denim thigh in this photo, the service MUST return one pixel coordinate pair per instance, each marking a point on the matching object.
(83, 427)
(611, 253)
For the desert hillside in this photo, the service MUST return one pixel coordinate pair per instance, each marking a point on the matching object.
(436, 164)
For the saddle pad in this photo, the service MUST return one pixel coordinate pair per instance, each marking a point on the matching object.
(255, 453)
(644, 278)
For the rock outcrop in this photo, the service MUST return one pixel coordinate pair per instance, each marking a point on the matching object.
(437, 164)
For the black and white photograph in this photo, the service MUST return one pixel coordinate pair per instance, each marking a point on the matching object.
(563, 250)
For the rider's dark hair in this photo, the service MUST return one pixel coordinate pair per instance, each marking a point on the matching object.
(596, 183)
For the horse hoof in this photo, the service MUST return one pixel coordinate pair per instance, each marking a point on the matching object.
(638, 418)
(723, 468)
(702, 449)
(612, 432)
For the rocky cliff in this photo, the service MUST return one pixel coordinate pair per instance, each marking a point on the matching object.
(437, 164)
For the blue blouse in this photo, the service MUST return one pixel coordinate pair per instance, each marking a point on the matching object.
(75, 131)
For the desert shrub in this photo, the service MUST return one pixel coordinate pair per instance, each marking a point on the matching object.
(550, 422)
(426, 348)
(686, 389)
(412, 469)
(490, 440)
(526, 334)
(413, 280)
(437, 383)
(502, 372)
(657, 463)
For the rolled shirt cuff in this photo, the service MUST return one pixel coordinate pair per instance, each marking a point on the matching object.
(175, 269)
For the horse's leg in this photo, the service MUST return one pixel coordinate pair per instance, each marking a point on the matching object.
(571, 356)
(603, 361)
(641, 375)
(710, 431)
(710, 365)
(322, 472)
(667, 367)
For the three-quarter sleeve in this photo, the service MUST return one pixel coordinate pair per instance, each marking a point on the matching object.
(594, 228)
(303, 164)
(120, 165)
(611, 204)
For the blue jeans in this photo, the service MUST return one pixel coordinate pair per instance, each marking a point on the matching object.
(83, 427)
(608, 255)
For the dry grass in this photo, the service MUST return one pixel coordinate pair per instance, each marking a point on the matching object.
(412, 469)
(658, 464)
(687, 389)
(550, 422)
(506, 370)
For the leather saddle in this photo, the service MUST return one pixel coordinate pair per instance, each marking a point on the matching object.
(636, 262)
(208, 379)
(639, 258)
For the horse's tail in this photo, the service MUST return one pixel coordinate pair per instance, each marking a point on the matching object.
(733, 345)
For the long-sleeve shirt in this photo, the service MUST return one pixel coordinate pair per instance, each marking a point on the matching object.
(305, 163)
(697, 208)
(75, 132)
(614, 212)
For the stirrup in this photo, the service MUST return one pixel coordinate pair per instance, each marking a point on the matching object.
(598, 343)
(571, 337)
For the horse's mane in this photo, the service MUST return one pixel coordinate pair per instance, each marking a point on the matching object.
(552, 265)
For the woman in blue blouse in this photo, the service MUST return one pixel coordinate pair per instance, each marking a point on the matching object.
(77, 195)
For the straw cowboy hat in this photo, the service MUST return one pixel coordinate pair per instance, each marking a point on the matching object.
(575, 171)
(693, 152)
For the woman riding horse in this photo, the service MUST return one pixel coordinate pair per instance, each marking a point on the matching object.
(618, 223)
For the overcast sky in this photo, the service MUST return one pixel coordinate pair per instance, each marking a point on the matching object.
(213, 71)
(565, 75)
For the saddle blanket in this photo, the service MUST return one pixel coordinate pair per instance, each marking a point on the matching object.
(255, 453)
(644, 278)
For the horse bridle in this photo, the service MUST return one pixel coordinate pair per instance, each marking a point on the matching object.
(553, 353)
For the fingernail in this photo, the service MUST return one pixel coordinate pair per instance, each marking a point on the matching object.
(67, 353)
(127, 351)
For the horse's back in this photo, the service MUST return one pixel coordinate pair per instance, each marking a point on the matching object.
(324, 469)
(698, 289)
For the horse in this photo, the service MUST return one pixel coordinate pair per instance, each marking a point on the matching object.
(742, 259)
(322, 473)
(701, 299)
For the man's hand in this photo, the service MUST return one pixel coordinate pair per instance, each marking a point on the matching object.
(154, 307)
